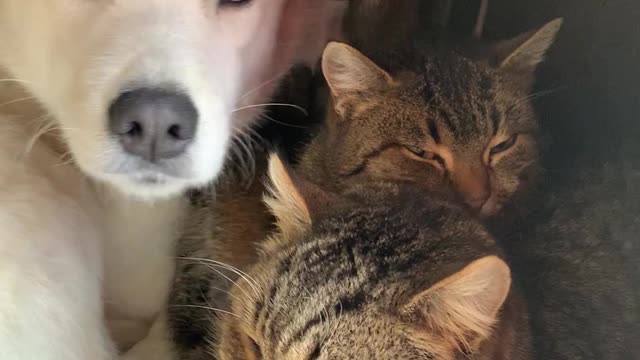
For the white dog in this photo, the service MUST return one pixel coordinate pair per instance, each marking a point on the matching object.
(144, 97)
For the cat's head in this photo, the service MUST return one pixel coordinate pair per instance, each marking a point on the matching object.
(368, 279)
(443, 121)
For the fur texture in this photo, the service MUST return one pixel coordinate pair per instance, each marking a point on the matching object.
(301, 294)
(365, 276)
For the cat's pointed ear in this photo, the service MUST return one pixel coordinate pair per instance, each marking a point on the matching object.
(292, 199)
(349, 73)
(463, 307)
(525, 52)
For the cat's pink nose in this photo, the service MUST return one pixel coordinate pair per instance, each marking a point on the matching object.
(490, 207)
(473, 184)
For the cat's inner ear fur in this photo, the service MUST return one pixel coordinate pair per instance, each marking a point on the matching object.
(292, 199)
(463, 307)
(349, 74)
(285, 200)
(522, 54)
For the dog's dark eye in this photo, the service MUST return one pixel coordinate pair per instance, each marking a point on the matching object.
(234, 2)
(503, 146)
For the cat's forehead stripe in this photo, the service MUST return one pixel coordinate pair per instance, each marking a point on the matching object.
(461, 97)
(433, 130)
(495, 119)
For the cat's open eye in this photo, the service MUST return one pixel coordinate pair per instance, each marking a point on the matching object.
(503, 146)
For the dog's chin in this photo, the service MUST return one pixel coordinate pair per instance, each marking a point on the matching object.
(150, 186)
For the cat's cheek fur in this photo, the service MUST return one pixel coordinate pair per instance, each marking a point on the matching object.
(508, 186)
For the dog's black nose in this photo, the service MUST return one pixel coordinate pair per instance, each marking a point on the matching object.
(153, 123)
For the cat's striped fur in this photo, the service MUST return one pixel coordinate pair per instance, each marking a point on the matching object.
(379, 272)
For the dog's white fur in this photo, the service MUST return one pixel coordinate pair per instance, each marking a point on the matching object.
(76, 237)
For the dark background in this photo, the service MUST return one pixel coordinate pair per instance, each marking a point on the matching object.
(593, 115)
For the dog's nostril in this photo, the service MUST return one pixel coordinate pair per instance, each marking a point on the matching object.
(153, 123)
(175, 132)
(134, 129)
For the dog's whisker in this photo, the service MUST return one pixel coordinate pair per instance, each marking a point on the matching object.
(15, 80)
(283, 123)
(262, 85)
(67, 155)
(211, 265)
(252, 282)
(17, 100)
(48, 125)
(300, 108)
(248, 153)
(232, 268)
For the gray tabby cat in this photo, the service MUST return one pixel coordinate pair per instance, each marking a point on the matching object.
(379, 272)
(574, 250)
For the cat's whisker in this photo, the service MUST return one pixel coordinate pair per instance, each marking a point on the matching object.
(537, 95)
(300, 108)
(481, 19)
(338, 318)
(324, 312)
(206, 308)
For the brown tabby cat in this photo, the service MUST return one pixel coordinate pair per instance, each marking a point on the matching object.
(437, 119)
(364, 276)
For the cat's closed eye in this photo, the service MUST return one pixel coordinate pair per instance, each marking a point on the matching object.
(427, 155)
(504, 145)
